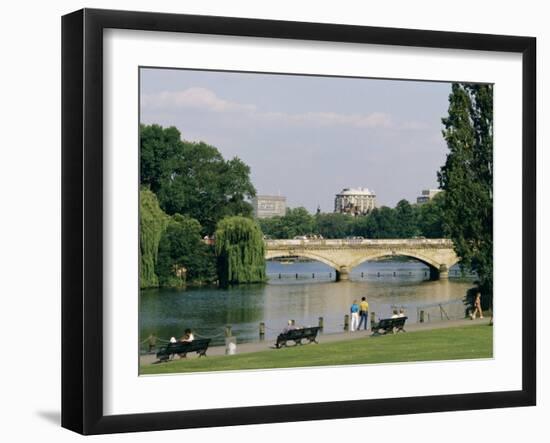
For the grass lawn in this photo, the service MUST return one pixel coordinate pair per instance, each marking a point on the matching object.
(439, 344)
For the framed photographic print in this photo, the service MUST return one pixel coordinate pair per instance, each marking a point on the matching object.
(268, 221)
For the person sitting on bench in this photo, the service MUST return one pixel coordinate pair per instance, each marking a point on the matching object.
(290, 327)
(171, 344)
(188, 337)
(297, 335)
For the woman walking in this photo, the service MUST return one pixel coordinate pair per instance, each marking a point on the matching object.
(477, 306)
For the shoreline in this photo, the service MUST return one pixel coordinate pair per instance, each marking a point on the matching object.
(257, 346)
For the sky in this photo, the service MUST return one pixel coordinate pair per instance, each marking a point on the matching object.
(308, 137)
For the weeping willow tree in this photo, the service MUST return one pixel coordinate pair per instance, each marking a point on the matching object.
(240, 250)
(152, 224)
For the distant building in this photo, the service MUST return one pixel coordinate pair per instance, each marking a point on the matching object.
(266, 206)
(427, 195)
(355, 201)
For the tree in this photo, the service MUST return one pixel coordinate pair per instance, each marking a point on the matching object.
(467, 178)
(405, 219)
(158, 146)
(382, 223)
(152, 223)
(297, 221)
(270, 226)
(334, 225)
(182, 255)
(430, 217)
(240, 250)
(363, 226)
(205, 186)
(193, 178)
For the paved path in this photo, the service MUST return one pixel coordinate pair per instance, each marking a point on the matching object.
(246, 348)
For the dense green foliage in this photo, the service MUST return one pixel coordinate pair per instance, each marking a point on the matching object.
(430, 220)
(186, 189)
(467, 178)
(403, 221)
(182, 255)
(193, 178)
(333, 225)
(241, 251)
(468, 342)
(158, 146)
(152, 223)
(406, 219)
(296, 222)
(382, 223)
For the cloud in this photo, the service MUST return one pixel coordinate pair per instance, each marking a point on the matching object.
(197, 98)
(372, 120)
(207, 100)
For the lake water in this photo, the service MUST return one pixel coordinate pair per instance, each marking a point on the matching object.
(386, 284)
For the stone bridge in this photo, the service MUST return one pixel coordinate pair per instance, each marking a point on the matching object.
(344, 255)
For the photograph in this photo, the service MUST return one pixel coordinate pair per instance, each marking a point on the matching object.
(297, 221)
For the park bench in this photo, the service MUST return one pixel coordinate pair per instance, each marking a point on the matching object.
(389, 324)
(198, 346)
(297, 335)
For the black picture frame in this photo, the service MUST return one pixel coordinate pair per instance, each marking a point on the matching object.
(82, 220)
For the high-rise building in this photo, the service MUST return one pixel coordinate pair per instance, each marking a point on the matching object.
(427, 195)
(269, 206)
(355, 201)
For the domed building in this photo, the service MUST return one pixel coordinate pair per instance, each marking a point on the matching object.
(355, 201)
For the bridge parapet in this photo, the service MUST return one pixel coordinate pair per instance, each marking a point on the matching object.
(385, 243)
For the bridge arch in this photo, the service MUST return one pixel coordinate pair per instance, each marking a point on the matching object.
(427, 261)
(277, 254)
(436, 268)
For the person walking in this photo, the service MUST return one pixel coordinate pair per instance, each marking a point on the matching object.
(354, 309)
(363, 312)
(477, 306)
